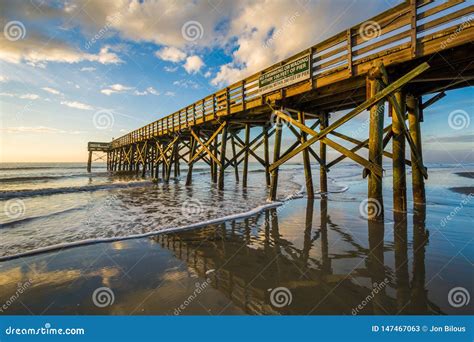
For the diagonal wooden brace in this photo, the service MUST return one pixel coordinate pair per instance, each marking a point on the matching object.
(359, 109)
(204, 146)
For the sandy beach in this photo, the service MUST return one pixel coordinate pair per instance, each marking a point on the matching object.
(324, 251)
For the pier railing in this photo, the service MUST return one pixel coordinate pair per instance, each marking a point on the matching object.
(410, 30)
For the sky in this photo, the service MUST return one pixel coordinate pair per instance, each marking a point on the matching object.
(92, 70)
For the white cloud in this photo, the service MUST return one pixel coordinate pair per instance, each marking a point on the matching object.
(171, 54)
(148, 91)
(3, 79)
(193, 64)
(170, 93)
(140, 93)
(52, 90)
(88, 69)
(170, 69)
(115, 88)
(29, 96)
(77, 105)
(186, 84)
(22, 96)
(152, 91)
(38, 51)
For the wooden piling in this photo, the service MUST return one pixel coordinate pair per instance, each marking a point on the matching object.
(306, 160)
(418, 182)
(176, 160)
(246, 156)
(398, 150)
(276, 156)
(189, 178)
(236, 165)
(89, 162)
(222, 158)
(213, 163)
(266, 155)
(170, 163)
(323, 178)
(375, 147)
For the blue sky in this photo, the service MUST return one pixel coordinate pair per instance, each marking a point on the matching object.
(142, 60)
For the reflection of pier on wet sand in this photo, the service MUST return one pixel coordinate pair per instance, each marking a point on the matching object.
(249, 258)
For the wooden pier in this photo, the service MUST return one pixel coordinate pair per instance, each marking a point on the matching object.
(417, 48)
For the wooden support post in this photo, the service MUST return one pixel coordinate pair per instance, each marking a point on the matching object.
(89, 162)
(266, 155)
(236, 165)
(276, 156)
(306, 161)
(170, 163)
(189, 178)
(418, 182)
(144, 155)
(156, 161)
(398, 150)
(375, 148)
(246, 155)
(176, 160)
(213, 163)
(222, 166)
(323, 178)
(164, 165)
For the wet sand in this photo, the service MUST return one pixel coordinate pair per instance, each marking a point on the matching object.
(465, 190)
(328, 257)
(465, 174)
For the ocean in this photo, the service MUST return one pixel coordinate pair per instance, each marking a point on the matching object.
(68, 231)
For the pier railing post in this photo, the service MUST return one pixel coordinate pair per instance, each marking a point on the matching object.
(276, 156)
(398, 150)
(306, 160)
(222, 156)
(323, 178)
(375, 146)
(418, 182)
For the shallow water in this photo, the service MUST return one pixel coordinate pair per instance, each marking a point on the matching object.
(304, 257)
